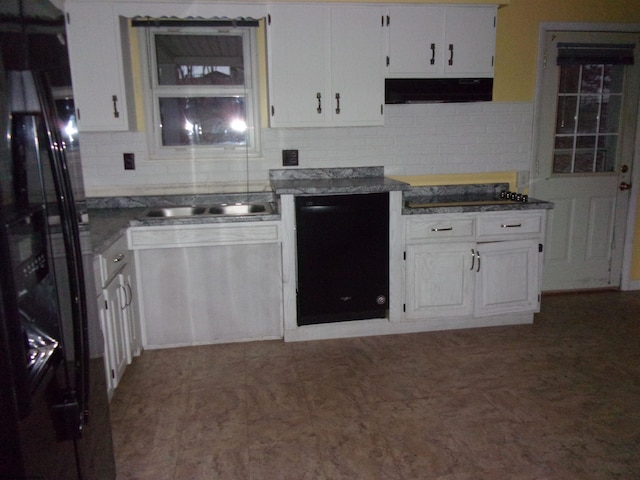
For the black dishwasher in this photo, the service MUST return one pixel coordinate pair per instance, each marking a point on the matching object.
(343, 257)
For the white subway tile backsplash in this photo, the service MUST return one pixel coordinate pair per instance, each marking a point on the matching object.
(418, 139)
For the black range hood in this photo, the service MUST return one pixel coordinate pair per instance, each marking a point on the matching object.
(437, 90)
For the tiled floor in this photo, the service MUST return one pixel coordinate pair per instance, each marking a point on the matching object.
(559, 399)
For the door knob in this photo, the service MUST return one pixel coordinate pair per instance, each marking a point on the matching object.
(624, 186)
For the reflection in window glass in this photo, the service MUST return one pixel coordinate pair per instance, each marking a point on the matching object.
(202, 121)
(587, 118)
(199, 59)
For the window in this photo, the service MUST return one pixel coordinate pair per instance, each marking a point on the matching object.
(587, 122)
(589, 105)
(202, 90)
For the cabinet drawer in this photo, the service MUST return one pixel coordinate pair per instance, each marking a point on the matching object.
(113, 259)
(203, 235)
(436, 227)
(509, 225)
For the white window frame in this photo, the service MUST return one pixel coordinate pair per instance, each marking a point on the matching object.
(153, 91)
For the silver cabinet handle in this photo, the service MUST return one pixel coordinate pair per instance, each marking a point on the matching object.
(436, 229)
(475, 254)
(125, 304)
(511, 225)
(130, 292)
(319, 97)
(118, 258)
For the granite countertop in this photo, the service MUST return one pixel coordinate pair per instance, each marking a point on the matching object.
(319, 181)
(464, 198)
(107, 224)
(111, 216)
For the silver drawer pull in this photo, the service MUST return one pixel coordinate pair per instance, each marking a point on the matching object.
(441, 229)
(118, 258)
(513, 225)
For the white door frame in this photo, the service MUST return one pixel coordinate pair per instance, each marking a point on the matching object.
(625, 283)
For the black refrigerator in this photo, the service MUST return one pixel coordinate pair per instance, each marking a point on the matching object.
(54, 412)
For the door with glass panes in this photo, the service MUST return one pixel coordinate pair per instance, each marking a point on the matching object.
(585, 130)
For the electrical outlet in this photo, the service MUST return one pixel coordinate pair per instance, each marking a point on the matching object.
(289, 158)
(523, 179)
(129, 161)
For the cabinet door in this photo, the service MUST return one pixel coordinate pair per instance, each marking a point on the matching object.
(105, 325)
(96, 61)
(416, 41)
(357, 83)
(203, 295)
(298, 65)
(325, 65)
(130, 311)
(508, 279)
(114, 331)
(470, 39)
(440, 280)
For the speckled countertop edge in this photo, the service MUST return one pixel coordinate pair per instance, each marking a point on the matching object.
(439, 194)
(110, 217)
(324, 181)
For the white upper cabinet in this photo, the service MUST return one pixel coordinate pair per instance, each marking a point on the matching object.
(97, 67)
(325, 65)
(441, 41)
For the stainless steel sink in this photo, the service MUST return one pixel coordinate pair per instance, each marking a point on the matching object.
(175, 211)
(217, 209)
(241, 209)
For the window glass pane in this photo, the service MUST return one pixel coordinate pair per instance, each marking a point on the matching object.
(588, 114)
(583, 162)
(564, 142)
(561, 163)
(610, 113)
(586, 141)
(569, 76)
(607, 152)
(565, 123)
(613, 76)
(591, 79)
(202, 121)
(199, 59)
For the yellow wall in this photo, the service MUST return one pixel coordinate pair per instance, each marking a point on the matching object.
(517, 37)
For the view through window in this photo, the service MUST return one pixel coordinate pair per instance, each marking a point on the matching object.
(587, 121)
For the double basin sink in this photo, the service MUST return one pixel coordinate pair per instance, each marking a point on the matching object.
(234, 209)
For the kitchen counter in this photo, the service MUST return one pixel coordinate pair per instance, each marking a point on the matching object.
(111, 216)
(107, 224)
(321, 181)
(464, 198)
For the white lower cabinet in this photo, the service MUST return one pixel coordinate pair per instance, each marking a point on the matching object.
(451, 271)
(114, 271)
(203, 284)
(117, 307)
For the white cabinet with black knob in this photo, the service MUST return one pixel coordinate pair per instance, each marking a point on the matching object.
(325, 65)
(98, 57)
(433, 41)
